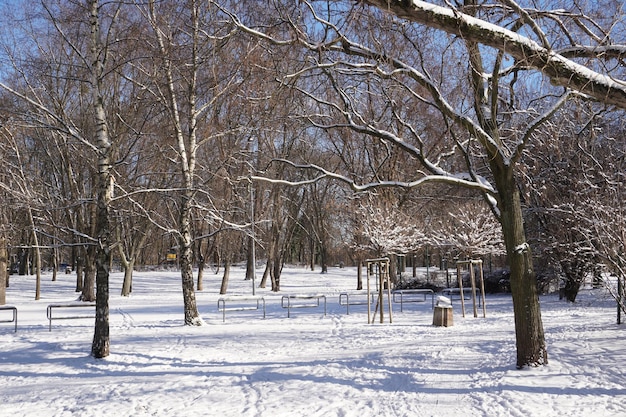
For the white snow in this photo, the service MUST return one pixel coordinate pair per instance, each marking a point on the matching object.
(307, 365)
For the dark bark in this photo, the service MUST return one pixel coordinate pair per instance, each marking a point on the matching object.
(3, 271)
(200, 278)
(23, 255)
(250, 259)
(275, 272)
(79, 271)
(90, 278)
(530, 340)
(575, 272)
(324, 258)
(55, 264)
(226, 276)
(101, 339)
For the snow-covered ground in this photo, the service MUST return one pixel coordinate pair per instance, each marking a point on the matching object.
(306, 365)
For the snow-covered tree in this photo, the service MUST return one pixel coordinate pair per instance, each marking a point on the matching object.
(386, 229)
(470, 229)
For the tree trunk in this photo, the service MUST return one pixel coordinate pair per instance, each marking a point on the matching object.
(393, 270)
(37, 256)
(79, 271)
(23, 256)
(192, 317)
(313, 250)
(3, 271)
(359, 275)
(250, 260)
(266, 274)
(324, 257)
(530, 341)
(187, 151)
(127, 285)
(100, 347)
(200, 271)
(226, 276)
(89, 283)
(275, 272)
(575, 273)
(55, 264)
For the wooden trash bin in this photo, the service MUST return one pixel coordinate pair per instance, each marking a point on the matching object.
(442, 316)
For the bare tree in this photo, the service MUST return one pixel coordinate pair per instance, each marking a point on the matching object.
(83, 120)
(487, 123)
(190, 73)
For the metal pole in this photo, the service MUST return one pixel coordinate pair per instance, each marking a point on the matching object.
(427, 267)
(619, 300)
(252, 247)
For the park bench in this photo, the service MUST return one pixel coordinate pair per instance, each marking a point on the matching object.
(412, 296)
(14, 319)
(77, 313)
(239, 303)
(355, 299)
(302, 301)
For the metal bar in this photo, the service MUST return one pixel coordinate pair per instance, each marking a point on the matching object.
(57, 306)
(14, 319)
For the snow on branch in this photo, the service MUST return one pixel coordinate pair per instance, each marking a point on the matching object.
(386, 229)
(561, 70)
(470, 229)
(459, 180)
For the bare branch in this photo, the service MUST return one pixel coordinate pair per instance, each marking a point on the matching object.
(463, 180)
(558, 68)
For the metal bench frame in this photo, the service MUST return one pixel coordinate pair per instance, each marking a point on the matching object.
(411, 299)
(344, 299)
(221, 304)
(295, 297)
(65, 317)
(14, 319)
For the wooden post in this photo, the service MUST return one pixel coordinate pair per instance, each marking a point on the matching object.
(459, 278)
(471, 264)
(380, 269)
(473, 285)
(381, 290)
(482, 290)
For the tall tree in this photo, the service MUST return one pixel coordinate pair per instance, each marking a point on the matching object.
(192, 69)
(484, 116)
(70, 94)
(97, 58)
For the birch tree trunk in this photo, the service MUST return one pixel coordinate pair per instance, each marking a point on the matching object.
(3, 271)
(187, 149)
(101, 341)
